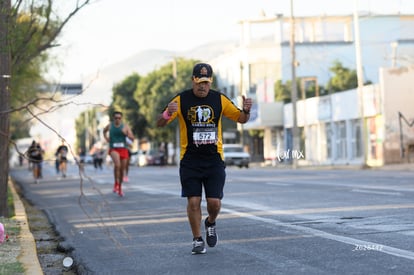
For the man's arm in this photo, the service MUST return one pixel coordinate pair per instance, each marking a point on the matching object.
(161, 121)
(164, 117)
(245, 114)
(244, 117)
(128, 132)
(105, 133)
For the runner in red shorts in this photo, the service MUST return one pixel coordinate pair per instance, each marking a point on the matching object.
(116, 133)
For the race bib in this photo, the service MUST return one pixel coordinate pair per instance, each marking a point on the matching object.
(205, 136)
(119, 145)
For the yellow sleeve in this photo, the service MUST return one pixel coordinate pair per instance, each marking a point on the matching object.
(230, 110)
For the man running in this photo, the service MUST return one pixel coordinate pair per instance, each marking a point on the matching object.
(62, 158)
(199, 111)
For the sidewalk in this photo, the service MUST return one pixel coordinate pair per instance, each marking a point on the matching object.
(28, 254)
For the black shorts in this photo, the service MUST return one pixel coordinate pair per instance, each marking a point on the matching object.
(196, 173)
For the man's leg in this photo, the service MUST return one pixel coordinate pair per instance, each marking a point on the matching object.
(117, 166)
(124, 162)
(35, 171)
(64, 167)
(213, 209)
(125, 170)
(194, 215)
(40, 175)
(194, 218)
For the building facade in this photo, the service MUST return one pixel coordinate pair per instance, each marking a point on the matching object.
(264, 57)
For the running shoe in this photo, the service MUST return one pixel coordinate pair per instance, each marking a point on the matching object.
(198, 246)
(120, 193)
(116, 187)
(125, 179)
(211, 234)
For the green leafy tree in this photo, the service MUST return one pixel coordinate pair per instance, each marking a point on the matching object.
(123, 100)
(27, 30)
(86, 126)
(282, 92)
(156, 89)
(343, 78)
(142, 99)
(34, 28)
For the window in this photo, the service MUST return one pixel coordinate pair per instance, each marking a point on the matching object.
(356, 135)
(313, 139)
(328, 133)
(341, 140)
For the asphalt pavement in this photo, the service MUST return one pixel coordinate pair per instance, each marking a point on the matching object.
(94, 221)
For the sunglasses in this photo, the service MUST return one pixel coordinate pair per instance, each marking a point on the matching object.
(117, 117)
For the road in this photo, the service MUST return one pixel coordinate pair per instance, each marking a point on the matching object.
(273, 221)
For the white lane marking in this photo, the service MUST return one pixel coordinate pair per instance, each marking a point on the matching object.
(393, 187)
(322, 234)
(315, 232)
(376, 192)
(278, 184)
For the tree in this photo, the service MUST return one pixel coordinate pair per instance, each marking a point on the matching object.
(5, 71)
(282, 91)
(123, 100)
(86, 126)
(141, 99)
(343, 79)
(156, 89)
(27, 31)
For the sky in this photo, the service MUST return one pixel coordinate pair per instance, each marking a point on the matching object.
(109, 31)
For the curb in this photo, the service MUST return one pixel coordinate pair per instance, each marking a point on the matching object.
(28, 253)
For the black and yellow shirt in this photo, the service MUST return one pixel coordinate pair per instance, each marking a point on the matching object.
(200, 122)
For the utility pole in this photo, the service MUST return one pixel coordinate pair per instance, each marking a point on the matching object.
(177, 128)
(360, 77)
(241, 94)
(295, 136)
(5, 74)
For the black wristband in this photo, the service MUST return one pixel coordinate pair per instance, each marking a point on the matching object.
(246, 112)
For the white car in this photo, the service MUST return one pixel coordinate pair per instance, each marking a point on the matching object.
(234, 154)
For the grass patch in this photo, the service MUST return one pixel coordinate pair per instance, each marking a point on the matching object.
(10, 249)
(11, 268)
(10, 203)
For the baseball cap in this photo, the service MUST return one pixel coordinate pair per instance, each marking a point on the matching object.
(202, 72)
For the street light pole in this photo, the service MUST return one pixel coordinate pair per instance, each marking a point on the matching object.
(177, 128)
(295, 137)
(360, 78)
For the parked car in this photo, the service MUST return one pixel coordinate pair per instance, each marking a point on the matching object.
(155, 158)
(234, 154)
(151, 157)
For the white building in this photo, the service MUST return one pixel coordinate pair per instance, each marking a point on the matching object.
(332, 123)
(264, 57)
